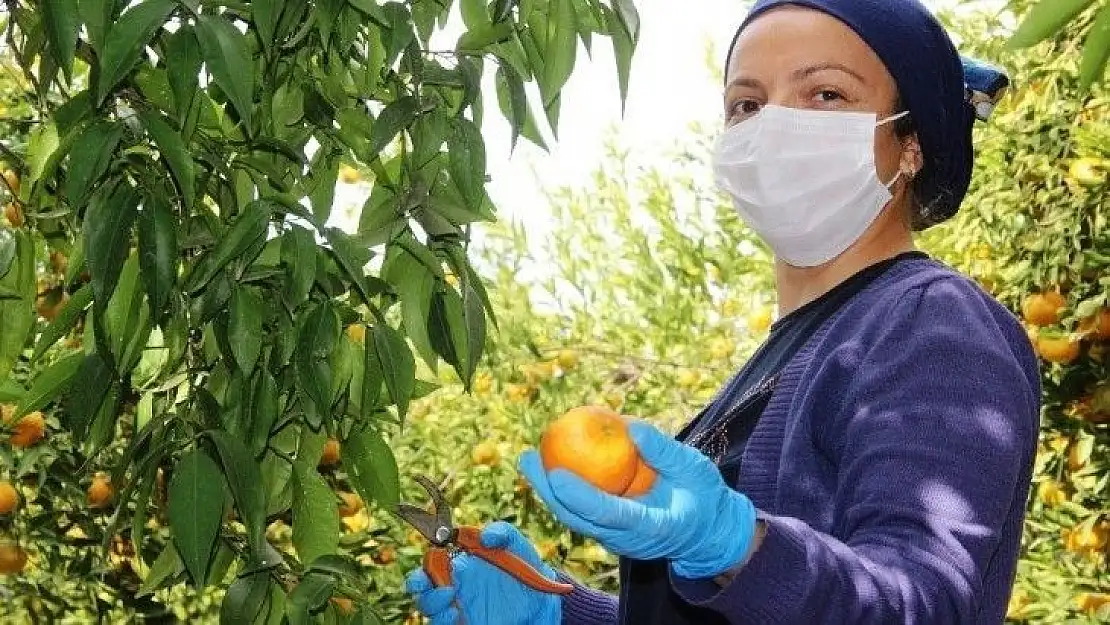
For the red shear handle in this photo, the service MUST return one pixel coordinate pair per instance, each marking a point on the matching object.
(469, 540)
(437, 564)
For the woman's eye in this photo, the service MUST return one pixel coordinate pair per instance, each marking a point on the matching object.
(828, 95)
(743, 108)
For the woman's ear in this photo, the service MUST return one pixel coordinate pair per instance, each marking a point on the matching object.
(912, 159)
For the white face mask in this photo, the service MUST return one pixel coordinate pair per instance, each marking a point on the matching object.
(804, 180)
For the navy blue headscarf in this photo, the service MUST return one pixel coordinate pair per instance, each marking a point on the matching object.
(943, 92)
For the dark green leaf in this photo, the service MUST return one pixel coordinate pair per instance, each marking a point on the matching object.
(1096, 49)
(345, 249)
(559, 50)
(629, 18)
(392, 120)
(196, 505)
(65, 321)
(298, 254)
(265, 409)
(447, 328)
(371, 466)
(1045, 19)
(50, 384)
(167, 565)
(245, 599)
(476, 331)
(372, 379)
(228, 57)
(623, 48)
(468, 161)
(315, 515)
(90, 157)
(183, 63)
(96, 15)
(157, 251)
(371, 9)
(414, 283)
(17, 313)
(266, 14)
(245, 479)
(127, 38)
(249, 228)
(244, 329)
(173, 149)
(317, 340)
(86, 394)
(309, 596)
(398, 365)
(62, 23)
(513, 100)
(503, 10)
(107, 229)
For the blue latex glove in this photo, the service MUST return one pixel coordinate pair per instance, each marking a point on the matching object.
(690, 516)
(487, 595)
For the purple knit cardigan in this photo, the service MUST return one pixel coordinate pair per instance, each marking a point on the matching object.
(892, 466)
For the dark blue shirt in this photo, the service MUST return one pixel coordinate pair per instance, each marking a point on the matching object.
(721, 430)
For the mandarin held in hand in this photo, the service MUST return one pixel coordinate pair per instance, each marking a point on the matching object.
(593, 442)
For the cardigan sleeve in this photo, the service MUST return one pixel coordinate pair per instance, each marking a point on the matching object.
(931, 446)
(586, 606)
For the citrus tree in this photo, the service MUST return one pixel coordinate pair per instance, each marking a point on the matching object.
(1033, 231)
(1051, 18)
(205, 339)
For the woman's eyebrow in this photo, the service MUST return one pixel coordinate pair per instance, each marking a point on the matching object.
(808, 71)
(744, 81)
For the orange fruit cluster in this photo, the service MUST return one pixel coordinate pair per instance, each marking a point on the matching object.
(593, 442)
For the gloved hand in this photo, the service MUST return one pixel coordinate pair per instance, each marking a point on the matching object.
(690, 516)
(486, 594)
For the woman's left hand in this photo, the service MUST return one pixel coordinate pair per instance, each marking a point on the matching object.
(690, 516)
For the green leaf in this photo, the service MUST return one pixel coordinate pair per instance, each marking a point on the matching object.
(371, 9)
(448, 329)
(17, 313)
(513, 100)
(629, 18)
(397, 364)
(228, 57)
(1045, 19)
(372, 379)
(96, 15)
(244, 329)
(503, 10)
(474, 13)
(126, 39)
(90, 158)
(266, 15)
(371, 466)
(298, 254)
(157, 251)
(414, 283)
(183, 64)
(467, 161)
(1096, 49)
(245, 479)
(623, 48)
(310, 595)
(249, 229)
(317, 340)
(173, 149)
(107, 229)
(62, 23)
(560, 49)
(245, 599)
(126, 320)
(392, 120)
(86, 394)
(65, 321)
(166, 566)
(196, 504)
(50, 384)
(475, 316)
(41, 149)
(264, 409)
(479, 38)
(344, 248)
(315, 515)
(7, 251)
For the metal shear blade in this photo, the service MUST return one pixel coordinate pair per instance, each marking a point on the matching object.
(436, 525)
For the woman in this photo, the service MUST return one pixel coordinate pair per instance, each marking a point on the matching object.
(871, 462)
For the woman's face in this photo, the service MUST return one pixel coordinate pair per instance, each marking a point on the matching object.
(802, 58)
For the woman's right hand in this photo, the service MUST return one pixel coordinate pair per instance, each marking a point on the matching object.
(487, 595)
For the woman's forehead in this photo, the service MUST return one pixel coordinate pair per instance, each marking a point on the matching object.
(798, 39)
